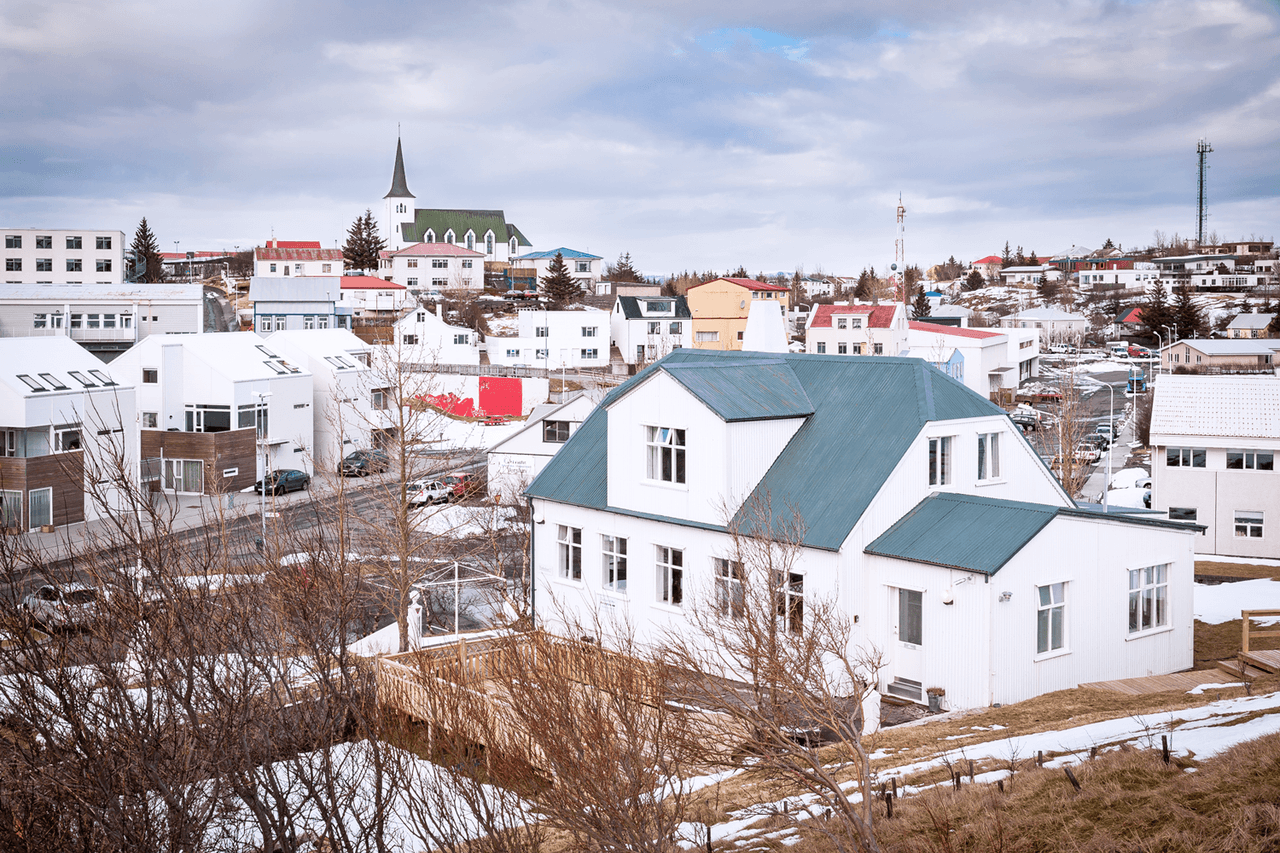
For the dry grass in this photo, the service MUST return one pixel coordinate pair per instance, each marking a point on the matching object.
(1245, 571)
(1222, 642)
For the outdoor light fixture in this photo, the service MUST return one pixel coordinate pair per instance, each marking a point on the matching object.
(1005, 596)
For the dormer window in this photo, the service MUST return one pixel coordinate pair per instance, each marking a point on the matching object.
(448, 236)
(471, 241)
(658, 307)
(665, 454)
(842, 322)
(514, 245)
(430, 237)
(488, 244)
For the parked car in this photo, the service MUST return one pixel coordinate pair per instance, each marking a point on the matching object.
(1107, 429)
(426, 493)
(462, 484)
(283, 481)
(72, 605)
(1027, 422)
(1140, 352)
(361, 463)
(1097, 440)
(1087, 452)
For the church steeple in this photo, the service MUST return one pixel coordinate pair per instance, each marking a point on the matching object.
(399, 188)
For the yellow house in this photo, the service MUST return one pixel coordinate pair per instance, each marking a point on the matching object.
(720, 307)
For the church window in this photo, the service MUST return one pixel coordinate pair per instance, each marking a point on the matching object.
(513, 246)
(471, 241)
(430, 237)
(488, 244)
(448, 236)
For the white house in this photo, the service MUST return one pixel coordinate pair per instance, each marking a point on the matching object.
(366, 295)
(1215, 441)
(554, 339)
(857, 329)
(647, 328)
(103, 318)
(1054, 324)
(818, 286)
(296, 257)
(434, 266)
(584, 268)
(924, 516)
(1026, 275)
(62, 256)
(516, 460)
(298, 302)
(993, 360)
(211, 406)
(57, 403)
(1142, 276)
(342, 414)
(423, 337)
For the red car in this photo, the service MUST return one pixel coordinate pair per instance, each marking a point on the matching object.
(462, 484)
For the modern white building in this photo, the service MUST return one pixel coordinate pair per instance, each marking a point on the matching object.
(211, 408)
(1054, 324)
(434, 267)
(343, 417)
(296, 257)
(857, 329)
(646, 328)
(554, 339)
(932, 526)
(298, 302)
(366, 295)
(103, 318)
(63, 256)
(584, 268)
(57, 404)
(1215, 440)
(423, 337)
(1143, 275)
(993, 360)
(1026, 275)
(515, 461)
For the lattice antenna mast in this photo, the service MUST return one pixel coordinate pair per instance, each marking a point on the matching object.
(900, 253)
(1202, 149)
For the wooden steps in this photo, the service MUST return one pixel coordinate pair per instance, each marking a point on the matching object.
(1233, 668)
(1267, 660)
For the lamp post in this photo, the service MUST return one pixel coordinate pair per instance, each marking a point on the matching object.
(1111, 422)
(260, 428)
(1171, 330)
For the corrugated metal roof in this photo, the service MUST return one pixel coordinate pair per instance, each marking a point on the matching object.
(296, 288)
(758, 391)
(631, 307)
(440, 220)
(1221, 406)
(963, 532)
(562, 252)
(866, 412)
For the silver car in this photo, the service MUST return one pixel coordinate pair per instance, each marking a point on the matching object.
(72, 605)
(427, 492)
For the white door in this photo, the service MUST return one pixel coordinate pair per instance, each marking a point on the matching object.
(906, 673)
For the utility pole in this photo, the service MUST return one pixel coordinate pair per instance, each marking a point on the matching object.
(900, 255)
(1202, 151)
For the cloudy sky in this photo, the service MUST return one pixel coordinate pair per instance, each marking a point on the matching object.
(695, 135)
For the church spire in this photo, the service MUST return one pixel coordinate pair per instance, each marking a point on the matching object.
(399, 188)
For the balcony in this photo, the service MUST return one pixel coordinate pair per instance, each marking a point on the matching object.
(83, 335)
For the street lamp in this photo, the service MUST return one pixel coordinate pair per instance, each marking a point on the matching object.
(260, 427)
(1172, 330)
(1111, 422)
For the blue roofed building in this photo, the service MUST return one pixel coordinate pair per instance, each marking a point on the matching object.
(584, 268)
(920, 510)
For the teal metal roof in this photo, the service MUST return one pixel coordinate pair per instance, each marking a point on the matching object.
(860, 414)
(763, 389)
(964, 532)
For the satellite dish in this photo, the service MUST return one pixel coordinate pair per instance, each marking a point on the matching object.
(893, 266)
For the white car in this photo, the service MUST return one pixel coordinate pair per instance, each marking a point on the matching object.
(426, 493)
(74, 604)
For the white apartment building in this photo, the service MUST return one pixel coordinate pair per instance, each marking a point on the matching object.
(554, 339)
(434, 267)
(1215, 442)
(63, 256)
(992, 360)
(857, 329)
(647, 328)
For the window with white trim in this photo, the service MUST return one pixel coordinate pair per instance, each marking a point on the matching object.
(842, 322)
(462, 338)
(1248, 524)
(1182, 513)
(729, 576)
(665, 454)
(988, 455)
(822, 347)
(590, 353)
(513, 353)
(590, 331)
(570, 552)
(842, 348)
(66, 438)
(878, 349)
(1051, 618)
(655, 327)
(1148, 598)
(1251, 460)
(1185, 457)
(613, 563)
(940, 461)
(670, 575)
(706, 337)
(542, 331)
(788, 600)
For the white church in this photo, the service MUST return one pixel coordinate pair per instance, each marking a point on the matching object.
(483, 231)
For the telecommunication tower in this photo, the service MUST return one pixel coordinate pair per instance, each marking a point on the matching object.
(900, 254)
(1202, 149)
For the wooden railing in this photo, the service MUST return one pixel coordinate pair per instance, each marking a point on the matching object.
(1246, 631)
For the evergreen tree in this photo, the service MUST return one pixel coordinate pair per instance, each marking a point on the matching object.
(363, 245)
(1047, 289)
(1108, 246)
(1188, 317)
(1156, 312)
(1006, 259)
(623, 270)
(920, 308)
(1019, 259)
(1114, 308)
(1273, 328)
(148, 265)
(865, 287)
(1032, 259)
(558, 286)
(975, 281)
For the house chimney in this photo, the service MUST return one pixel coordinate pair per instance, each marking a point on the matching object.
(275, 244)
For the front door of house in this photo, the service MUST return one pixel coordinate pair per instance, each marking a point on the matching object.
(906, 675)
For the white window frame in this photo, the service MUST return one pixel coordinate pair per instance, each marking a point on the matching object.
(730, 596)
(1148, 599)
(941, 463)
(1051, 614)
(1251, 460)
(669, 574)
(590, 331)
(788, 601)
(706, 337)
(666, 453)
(613, 563)
(569, 552)
(988, 456)
(589, 354)
(1187, 457)
(1248, 523)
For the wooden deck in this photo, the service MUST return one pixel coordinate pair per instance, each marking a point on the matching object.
(1267, 660)
(1179, 681)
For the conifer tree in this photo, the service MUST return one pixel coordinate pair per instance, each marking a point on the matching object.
(363, 246)
(148, 264)
(1006, 259)
(920, 308)
(1019, 259)
(975, 281)
(1032, 259)
(557, 285)
(1156, 312)
(1188, 317)
(623, 270)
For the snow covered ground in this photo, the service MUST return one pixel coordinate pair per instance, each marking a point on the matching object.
(1218, 603)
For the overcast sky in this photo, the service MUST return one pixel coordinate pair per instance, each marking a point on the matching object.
(694, 135)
